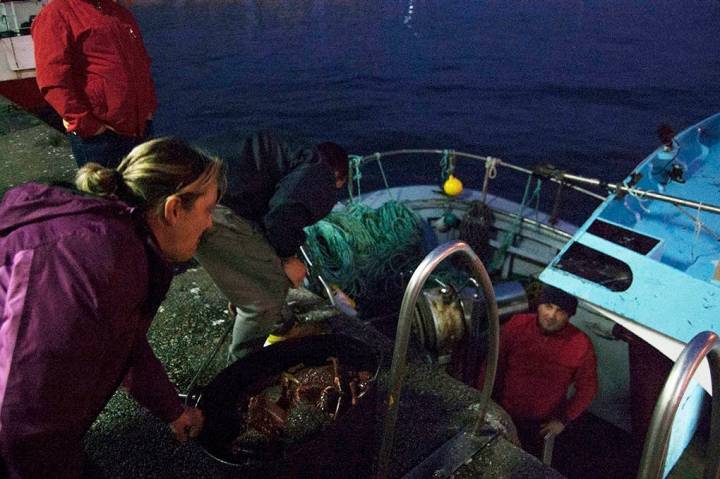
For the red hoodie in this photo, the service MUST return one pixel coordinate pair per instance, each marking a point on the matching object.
(92, 66)
(535, 371)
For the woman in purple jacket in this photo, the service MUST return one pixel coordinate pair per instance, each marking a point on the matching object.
(81, 277)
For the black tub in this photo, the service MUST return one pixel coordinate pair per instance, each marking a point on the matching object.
(348, 441)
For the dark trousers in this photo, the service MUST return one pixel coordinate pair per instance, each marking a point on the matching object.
(529, 435)
(89, 470)
(107, 148)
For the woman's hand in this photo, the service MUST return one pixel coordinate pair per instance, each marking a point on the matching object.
(188, 425)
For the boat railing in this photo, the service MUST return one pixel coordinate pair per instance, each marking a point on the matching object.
(622, 188)
(491, 164)
(463, 446)
(563, 178)
(311, 267)
(652, 462)
(548, 447)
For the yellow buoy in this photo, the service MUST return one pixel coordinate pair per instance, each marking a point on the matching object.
(452, 186)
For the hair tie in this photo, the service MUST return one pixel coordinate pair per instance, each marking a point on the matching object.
(118, 177)
(118, 183)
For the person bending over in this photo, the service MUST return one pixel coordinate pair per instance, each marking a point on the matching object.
(81, 277)
(275, 189)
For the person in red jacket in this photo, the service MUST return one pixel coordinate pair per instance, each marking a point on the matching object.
(541, 355)
(93, 69)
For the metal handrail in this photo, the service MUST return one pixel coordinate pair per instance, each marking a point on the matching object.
(622, 188)
(655, 450)
(485, 159)
(397, 370)
(311, 267)
(548, 447)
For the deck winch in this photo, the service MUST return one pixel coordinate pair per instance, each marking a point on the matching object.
(449, 319)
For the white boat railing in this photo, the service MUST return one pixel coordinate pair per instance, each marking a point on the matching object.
(548, 172)
(491, 164)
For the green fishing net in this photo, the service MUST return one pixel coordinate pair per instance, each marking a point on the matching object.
(368, 253)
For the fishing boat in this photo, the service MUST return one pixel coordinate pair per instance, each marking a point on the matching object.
(17, 59)
(646, 259)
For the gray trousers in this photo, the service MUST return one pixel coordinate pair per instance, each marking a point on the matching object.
(249, 273)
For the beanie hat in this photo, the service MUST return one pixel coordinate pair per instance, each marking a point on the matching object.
(335, 156)
(551, 295)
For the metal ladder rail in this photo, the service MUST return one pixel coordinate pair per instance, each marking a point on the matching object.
(655, 449)
(398, 368)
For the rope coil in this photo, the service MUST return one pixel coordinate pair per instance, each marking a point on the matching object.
(363, 250)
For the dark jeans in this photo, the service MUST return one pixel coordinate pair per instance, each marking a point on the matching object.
(530, 438)
(107, 148)
(90, 470)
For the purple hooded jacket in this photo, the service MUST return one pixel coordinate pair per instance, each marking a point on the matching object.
(80, 281)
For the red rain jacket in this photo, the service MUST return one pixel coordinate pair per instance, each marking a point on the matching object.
(92, 66)
(535, 371)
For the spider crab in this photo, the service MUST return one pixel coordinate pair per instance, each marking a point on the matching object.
(330, 388)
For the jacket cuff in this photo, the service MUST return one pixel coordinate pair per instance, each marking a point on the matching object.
(84, 126)
(565, 419)
(283, 249)
(173, 414)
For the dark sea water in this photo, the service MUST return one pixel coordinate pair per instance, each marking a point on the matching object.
(580, 84)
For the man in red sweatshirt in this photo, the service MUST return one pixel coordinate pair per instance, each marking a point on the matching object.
(93, 69)
(541, 355)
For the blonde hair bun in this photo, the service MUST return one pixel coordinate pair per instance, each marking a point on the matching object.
(98, 180)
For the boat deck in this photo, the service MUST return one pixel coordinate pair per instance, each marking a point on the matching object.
(127, 442)
(687, 238)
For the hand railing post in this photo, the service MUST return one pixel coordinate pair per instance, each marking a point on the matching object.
(655, 450)
(548, 446)
(397, 370)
